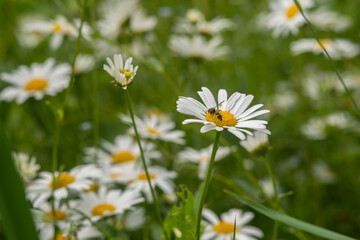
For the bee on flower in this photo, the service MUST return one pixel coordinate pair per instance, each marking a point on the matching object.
(228, 113)
(35, 81)
(284, 17)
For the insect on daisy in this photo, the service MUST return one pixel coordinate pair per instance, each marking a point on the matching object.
(229, 113)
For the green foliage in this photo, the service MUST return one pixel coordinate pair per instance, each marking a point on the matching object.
(180, 222)
(290, 221)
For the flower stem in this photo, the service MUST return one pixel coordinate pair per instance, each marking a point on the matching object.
(206, 183)
(142, 156)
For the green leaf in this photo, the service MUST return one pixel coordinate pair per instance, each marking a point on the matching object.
(180, 222)
(14, 209)
(290, 221)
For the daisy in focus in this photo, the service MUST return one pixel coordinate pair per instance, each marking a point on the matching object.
(108, 202)
(157, 127)
(223, 228)
(77, 179)
(198, 47)
(202, 157)
(26, 166)
(228, 113)
(337, 48)
(123, 74)
(35, 81)
(285, 17)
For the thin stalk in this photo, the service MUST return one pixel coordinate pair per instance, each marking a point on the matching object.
(207, 182)
(234, 235)
(328, 56)
(275, 231)
(143, 157)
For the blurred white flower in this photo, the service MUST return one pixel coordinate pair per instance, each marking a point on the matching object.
(76, 179)
(323, 173)
(194, 16)
(123, 74)
(132, 220)
(107, 203)
(284, 17)
(202, 157)
(198, 47)
(26, 166)
(223, 228)
(31, 30)
(337, 48)
(140, 23)
(84, 63)
(230, 114)
(255, 143)
(326, 20)
(35, 81)
(267, 187)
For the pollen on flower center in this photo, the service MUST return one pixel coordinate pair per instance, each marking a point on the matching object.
(36, 84)
(59, 215)
(56, 27)
(93, 188)
(64, 236)
(101, 209)
(224, 227)
(115, 175)
(63, 180)
(123, 156)
(227, 119)
(143, 177)
(292, 11)
(153, 131)
(325, 43)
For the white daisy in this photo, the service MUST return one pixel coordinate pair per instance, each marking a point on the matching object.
(337, 48)
(123, 74)
(117, 174)
(285, 17)
(140, 23)
(258, 142)
(35, 81)
(202, 157)
(84, 63)
(124, 150)
(108, 203)
(223, 229)
(31, 30)
(157, 127)
(114, 14)
(214, 26)
(76, 179)
(326, 20)
(159, 177)
(230, 114)
(132, 220)
(26, 165)
(267, 186)
(198, 47)
(88, 232)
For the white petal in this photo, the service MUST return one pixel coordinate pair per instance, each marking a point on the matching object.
(207, 128)
(222, 98)
(210, 216)
(237, 133)
(192, 121)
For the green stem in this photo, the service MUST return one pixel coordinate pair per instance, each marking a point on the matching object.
(206, 184)
(142, 156)
(328, 56)
(275, 231)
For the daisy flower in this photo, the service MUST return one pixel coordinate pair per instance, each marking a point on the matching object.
(285, 17)
(140, 23)
(117, 174)
(108, 203)
(84, 63)
(223, 228)
(123, 151)
(26, 166)
(202, 157)
(132, 220)
(157, 127)
(35, 81)
(123, 74)
(230, 114)
(159, 177)
(256, 143)
(198, 47)
(76, 179)
(326, 20)
(337, 48)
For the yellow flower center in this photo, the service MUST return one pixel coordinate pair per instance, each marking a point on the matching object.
(227, 119)
(123, 157)
(93, 188)
(59, 216)
(143, 177)
(63, 180)
(63, 236)
(153, 131)
(56, 27)
(325, 43)
(203, 159)
(292, 11)
(224, 227)
(100, 209)
(115, 175)
(36, 84)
